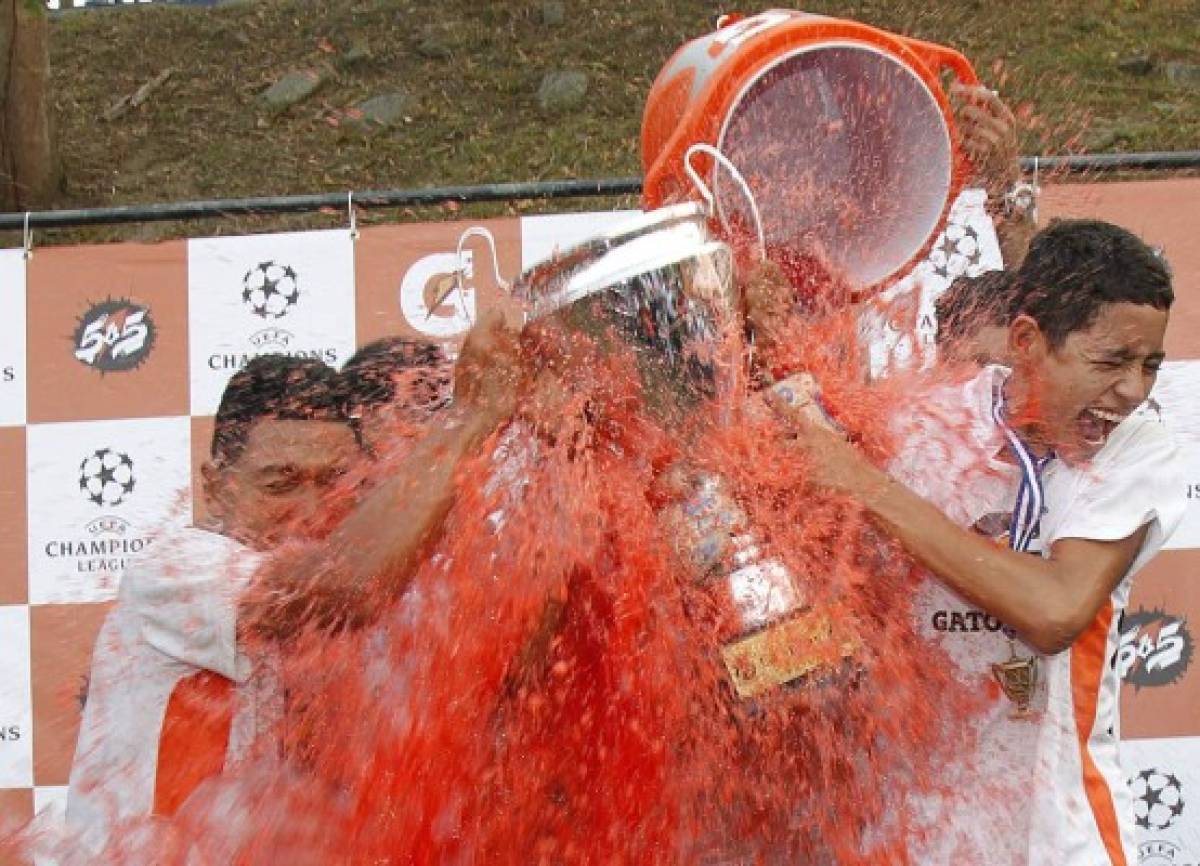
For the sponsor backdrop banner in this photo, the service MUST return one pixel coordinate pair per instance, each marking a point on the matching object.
(113, 359)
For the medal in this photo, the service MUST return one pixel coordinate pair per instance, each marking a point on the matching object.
(1018, 676)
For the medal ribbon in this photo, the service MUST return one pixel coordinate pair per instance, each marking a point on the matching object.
(1031, 496)
(1018, 677)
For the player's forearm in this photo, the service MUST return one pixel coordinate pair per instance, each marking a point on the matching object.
(385, 538)
(1024, 591)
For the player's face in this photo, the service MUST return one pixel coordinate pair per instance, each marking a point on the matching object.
(285, 484)
(1085, 387)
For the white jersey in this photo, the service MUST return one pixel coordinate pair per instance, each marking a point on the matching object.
(1045, 784)
(167, 681)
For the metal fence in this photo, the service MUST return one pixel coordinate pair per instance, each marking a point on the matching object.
(1086, 164)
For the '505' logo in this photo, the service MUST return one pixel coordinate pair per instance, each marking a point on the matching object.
(114, 336)
(1155, 649)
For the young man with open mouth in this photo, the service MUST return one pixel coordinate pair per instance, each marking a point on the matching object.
(1033, 493)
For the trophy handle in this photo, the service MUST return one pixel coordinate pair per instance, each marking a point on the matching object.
(707, 194)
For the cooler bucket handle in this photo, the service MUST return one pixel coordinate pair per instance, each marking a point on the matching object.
(939, 57)
(707, 193)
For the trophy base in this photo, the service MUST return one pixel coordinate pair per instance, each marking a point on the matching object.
(802, 645)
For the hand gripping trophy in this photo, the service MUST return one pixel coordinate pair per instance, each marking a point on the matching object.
(802, 134)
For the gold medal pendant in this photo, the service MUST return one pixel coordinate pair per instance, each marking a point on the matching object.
(1018, 677)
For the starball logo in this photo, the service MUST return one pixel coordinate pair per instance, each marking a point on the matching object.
(270, 290)
(956, 251)
(1155, 649)
(106, 477)
(1157, 799)
(114, 336)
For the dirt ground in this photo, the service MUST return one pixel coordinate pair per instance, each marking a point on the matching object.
(472, 70)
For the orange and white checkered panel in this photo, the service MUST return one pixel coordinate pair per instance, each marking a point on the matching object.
(16, 699)
(202, 431)
(1158, 646)
(290, 294)
(13, 357)
(14, 581)
(108, 332)
(97, 493)
(16, 809)
(1165, 213)
(61, 641)
(405, 277)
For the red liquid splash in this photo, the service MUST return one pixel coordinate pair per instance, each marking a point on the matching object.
(550, 688)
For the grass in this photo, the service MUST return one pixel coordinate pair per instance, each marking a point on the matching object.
(475, 118)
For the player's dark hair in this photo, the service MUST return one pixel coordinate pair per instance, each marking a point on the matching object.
(1076, 267)
(368, 377)
(971, 303)
(275, 387)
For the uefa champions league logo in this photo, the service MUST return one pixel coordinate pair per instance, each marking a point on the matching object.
(1160, 852)
(106, 477)
(1158, 799)
(270, 290)
(956, 251)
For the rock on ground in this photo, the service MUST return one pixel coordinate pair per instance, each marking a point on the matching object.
(378, 112)
(292, 88)
(562, 90)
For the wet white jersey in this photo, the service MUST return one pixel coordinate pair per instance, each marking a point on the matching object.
(1045, 785)
(171, 697)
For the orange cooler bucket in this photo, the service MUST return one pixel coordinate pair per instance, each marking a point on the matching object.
(843, 132)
